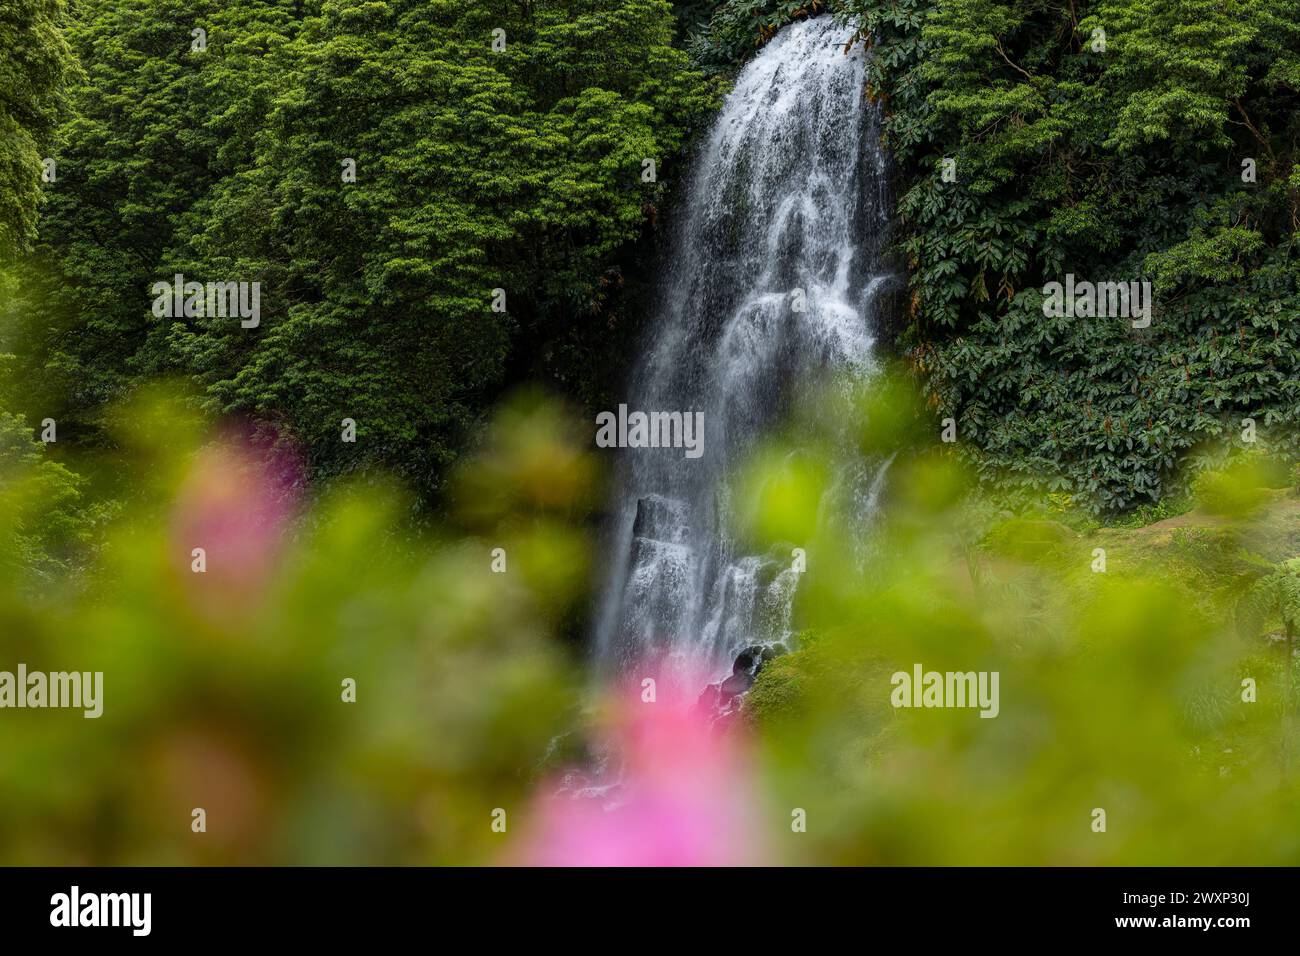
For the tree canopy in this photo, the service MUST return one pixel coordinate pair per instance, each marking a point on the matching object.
(35, 63)
(426, 192)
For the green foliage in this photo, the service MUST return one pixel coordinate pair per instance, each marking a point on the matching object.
(692, 15)
(44, 521)
(739, 27)
(1235, 491)
(35, 63)
(155, 125)
(1121, 689)
(1275, 599)
(476, 170)
(1114, 165)
(1168, 507)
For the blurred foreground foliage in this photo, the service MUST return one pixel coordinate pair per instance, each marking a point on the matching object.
(224, 689)
(1120, 689)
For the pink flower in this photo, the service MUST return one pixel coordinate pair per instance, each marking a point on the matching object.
(685, 797)
(236, 505)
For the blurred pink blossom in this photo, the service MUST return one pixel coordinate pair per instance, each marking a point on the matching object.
(236, 504)
(686, 796)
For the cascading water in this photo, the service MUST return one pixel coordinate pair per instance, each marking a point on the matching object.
(771, 286)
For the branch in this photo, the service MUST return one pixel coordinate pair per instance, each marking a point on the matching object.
(1251, 126)
(1033, 81)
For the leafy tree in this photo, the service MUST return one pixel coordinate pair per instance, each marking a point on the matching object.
(477, 169)
(739, 27)
(156, 123)
(35, 62)
(484, 161)
(43, 520)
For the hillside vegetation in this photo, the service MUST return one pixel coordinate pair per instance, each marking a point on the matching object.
(1111, 140)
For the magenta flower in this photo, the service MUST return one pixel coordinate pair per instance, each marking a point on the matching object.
(236, 504)
(681, 793)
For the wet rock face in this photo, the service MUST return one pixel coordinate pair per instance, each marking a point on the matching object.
(753, 658)
(735, 685)
(710, 699)
(723, 699)
(660, 519)
(743, 673)
(748, 661)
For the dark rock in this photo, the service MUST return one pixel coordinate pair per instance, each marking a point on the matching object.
(736, 684)
(709, 699)
(747, 659)
(659, 519)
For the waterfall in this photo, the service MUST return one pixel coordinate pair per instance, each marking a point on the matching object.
(770, 286)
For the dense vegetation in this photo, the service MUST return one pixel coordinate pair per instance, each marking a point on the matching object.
(1104, 139)
(34, 64)
(1100, 139)
(484, 161)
